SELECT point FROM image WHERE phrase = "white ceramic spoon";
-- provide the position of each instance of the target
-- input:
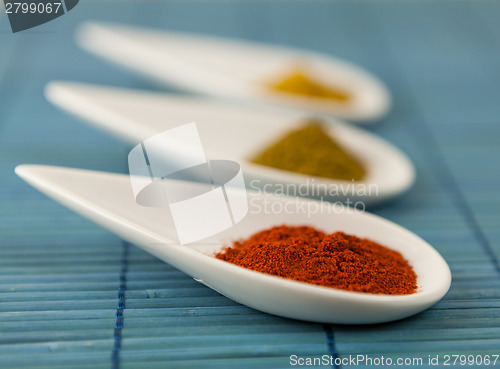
(234, 69)
(237, 133)
(107, 200)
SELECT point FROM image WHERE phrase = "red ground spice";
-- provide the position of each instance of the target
(336, 260)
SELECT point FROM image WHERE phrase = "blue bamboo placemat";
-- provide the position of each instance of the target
(74, 296)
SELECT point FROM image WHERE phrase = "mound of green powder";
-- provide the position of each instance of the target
(310, 150)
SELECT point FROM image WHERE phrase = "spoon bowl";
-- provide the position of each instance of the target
(235, 69)
(238, 132)
(107, 200)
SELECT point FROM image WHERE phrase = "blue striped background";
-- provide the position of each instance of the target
(65, 283)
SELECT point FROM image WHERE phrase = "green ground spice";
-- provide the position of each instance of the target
(310, 150)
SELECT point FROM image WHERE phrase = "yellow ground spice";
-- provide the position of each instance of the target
(310, 150)
(299, 83)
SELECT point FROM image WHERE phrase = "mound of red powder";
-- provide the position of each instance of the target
(336, 260)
